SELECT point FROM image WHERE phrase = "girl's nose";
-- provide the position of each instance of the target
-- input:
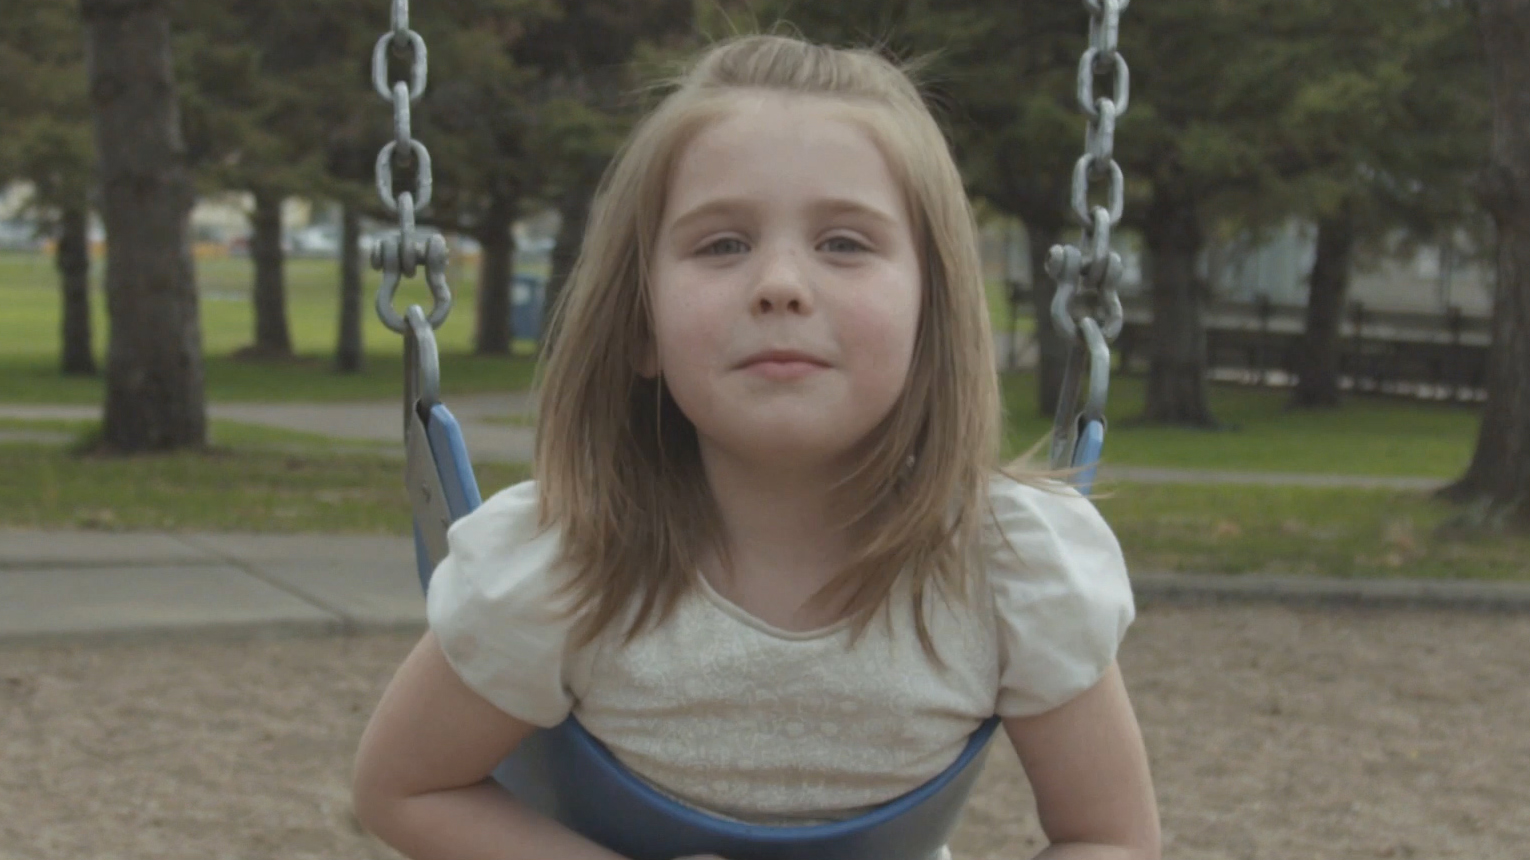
(782, 286)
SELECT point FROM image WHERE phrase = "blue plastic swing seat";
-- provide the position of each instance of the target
(1086, 453)
(567, 774)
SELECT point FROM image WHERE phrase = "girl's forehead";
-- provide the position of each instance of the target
(758, 116)
(784, 147)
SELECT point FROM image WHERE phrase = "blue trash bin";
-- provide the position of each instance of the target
(526, 292)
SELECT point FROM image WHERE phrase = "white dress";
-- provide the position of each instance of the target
(727, 713)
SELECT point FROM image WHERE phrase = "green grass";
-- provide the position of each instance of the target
(308, 379)
(221, 434)
(240, 489)
(998, 310)
(1336, 532)
(29, 288)
(516, 419)
(282, 481)
(269, 480)
(1370, 436)
(29, 337)
(1301, 531)
(47, 426)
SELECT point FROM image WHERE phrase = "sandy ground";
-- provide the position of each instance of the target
(1273, 732)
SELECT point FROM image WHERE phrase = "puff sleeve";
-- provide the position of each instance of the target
(1062, 598)
(492, 604)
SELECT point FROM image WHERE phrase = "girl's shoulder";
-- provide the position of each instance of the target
(501, 556)
(495, 606)
(1045, 513)
(506, 518)
(501, 544)
(1061, 594)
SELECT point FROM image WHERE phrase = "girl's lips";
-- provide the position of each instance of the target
(782, 356)
(783, 369)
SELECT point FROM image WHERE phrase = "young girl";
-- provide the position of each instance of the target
(769, 558)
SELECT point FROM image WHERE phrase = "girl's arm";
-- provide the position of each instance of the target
(1089, 770)
(421, 778)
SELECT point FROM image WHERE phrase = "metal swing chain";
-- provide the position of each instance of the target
(1086, 308)
(399, 254)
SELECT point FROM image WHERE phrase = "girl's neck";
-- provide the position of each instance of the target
(779, 522)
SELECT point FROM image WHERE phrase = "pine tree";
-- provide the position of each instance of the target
(47, 142)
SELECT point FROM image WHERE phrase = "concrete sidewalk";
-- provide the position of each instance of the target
(94, 585)
(73, 583)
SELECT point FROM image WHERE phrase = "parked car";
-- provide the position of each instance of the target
(321, 240)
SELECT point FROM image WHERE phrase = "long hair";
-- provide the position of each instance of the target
(618, 468)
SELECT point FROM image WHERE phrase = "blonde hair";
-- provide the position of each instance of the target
(617, 464)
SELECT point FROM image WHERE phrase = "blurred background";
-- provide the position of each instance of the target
(1310, 246)
(1320, 395)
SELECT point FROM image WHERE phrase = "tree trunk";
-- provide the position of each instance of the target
(492, 336)
(574, 215)
(1496, 486)
(154, 375)
(1176, 390)
(272, 339)
(348, 343)
(73, 261)
(1318, 375)
(1051, 348)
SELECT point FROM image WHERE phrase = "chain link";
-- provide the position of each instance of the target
(1087, 275)
(399, 254)
(1086, 308)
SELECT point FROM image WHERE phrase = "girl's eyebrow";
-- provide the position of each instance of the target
(823, 207)
(719, 206)
(846, 206)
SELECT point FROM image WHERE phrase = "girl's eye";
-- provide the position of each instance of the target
(725, 246)
(843, 243)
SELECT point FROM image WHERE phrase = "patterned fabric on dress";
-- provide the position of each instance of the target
(734, 716)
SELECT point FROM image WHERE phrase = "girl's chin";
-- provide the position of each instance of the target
(783, 451)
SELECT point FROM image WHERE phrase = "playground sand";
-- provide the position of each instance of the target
(1273, 733)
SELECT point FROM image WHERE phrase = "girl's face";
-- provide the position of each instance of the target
(786, 283)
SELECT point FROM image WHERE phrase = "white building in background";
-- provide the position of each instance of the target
(13, 200)
(215, 219)
(1427, 279)
(224, 217)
